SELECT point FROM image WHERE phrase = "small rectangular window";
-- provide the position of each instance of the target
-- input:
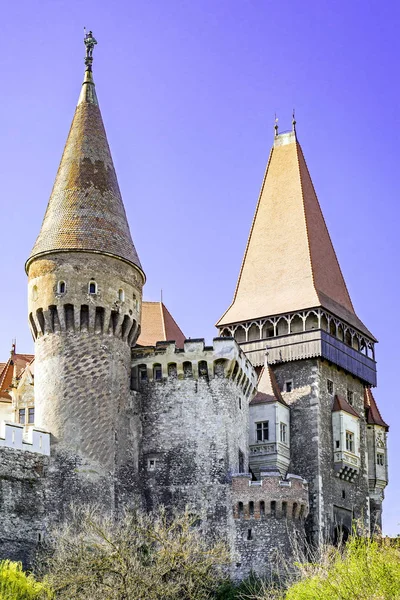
(337, 444)
(21, 416)
(350, 397)
(380, 459)
(288, 386)
(241, 462)
(262, 433)
(349, 441)
(31, 415)
(329, 386)
(283, 432)
(157, 373)
(151, 464)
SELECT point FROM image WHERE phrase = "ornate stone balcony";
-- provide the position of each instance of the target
(347, 465)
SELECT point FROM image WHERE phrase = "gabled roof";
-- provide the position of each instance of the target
(340, 403)
(267, 388)
(373, 414)
(85, 211)
(290, 263)
(158, 325)
(12, 368)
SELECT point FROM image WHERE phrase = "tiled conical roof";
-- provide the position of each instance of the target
(289, 263)
(85, 211)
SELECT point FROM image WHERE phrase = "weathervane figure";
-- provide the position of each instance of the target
(90, 43)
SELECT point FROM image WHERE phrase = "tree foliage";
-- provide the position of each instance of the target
(140, 557)
(17, 585)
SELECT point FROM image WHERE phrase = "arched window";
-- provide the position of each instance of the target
(240, 334)
(92, 287)
(203, 369)
(240, 509)
(187, 369)
(34, 292)
(273, 508)
(121, 295)
(61, 287)
(254, 332)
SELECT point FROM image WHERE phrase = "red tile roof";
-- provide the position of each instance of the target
(17, 362)
(342, 404)
(373, 415)
(267, 388)
(158, 325)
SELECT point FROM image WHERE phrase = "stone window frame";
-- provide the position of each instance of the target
(283, 430)
(121, 295)
(157, 372)
(350, 397)
(380, 459)
(31, 413)
(329, 386)
(92, 283)
(350, 441)
(61, 287)
(262, 427)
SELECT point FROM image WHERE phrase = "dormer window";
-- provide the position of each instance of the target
(92, 287)
(121, 295)
(61, 287)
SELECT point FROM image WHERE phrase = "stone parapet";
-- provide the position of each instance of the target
(271, 496)
(195, 361)
(35, 440)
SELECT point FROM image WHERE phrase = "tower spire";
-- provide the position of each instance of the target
(85, 211)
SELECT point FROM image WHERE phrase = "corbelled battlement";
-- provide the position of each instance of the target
(195, 360)
(12, 436)
(271, 496)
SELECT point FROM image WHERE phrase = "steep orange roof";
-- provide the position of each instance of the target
(289, 263)
(267, 388)
(340, 403)
(158, 325)
(373, 414)
(13, 367)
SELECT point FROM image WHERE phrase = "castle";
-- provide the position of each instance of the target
(271, 432)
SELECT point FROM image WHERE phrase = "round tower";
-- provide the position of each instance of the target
(84, 295)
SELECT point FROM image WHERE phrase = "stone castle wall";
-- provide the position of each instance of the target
(194, 417)
(22, 502)
(269, 517)
(331, 498)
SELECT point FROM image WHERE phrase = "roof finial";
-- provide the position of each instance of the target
(294, 121)
(276, 125)
(90, 43)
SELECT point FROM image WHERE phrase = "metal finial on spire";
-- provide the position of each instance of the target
(90, 43)
(276, 125)
(294, 121)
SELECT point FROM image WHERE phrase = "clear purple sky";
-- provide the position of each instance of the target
(188, 92)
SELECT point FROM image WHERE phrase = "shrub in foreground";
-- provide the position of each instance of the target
(139, 557)
(17, 585)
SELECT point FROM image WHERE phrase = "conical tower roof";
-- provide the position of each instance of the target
(289, 263)
(85, 211)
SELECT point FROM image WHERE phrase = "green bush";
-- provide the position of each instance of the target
(17, 585)
(365, 570)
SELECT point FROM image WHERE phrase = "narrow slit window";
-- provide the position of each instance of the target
(121, 295)
(329, 386)
(92, 287)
